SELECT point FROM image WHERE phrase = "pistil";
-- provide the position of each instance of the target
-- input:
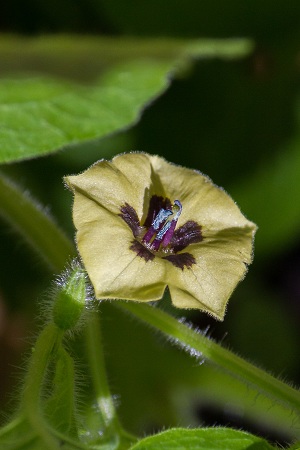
(162, 227)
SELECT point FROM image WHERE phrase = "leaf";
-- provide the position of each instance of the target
(202, 439)
(39, 114)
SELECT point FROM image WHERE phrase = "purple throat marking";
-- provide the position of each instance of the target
(158, 235)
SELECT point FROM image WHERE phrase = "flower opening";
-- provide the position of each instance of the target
(158, 237)
(163, 226)
(143, 224)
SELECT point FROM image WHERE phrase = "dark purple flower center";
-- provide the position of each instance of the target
(162, 228)
(158, 235)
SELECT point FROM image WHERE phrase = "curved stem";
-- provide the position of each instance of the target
(62, 437)
(200, 346)
(47, 343)
(19, 209)
(31, 221)
(12, 425)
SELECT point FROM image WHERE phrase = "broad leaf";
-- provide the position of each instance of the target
(116, 79)
(203, 439)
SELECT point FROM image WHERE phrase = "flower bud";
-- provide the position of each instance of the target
(69, 300)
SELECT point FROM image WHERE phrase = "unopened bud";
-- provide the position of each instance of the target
(69, 301)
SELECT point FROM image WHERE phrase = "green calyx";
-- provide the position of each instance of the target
(69, 300)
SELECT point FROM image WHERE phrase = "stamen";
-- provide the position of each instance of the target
(177, 208)
(161, 217)
(163, 226)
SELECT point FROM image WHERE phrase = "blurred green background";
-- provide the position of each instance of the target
(237, 122)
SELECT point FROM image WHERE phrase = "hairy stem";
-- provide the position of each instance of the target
(31, 221)
(200, 346)
(48, 240)
(45, 348)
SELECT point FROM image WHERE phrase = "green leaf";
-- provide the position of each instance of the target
(202, 439)
(39, 114)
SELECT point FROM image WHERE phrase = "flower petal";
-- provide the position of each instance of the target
(189, 233)
(221, 262)
(112, 184)
(203, 202)
(208, 252)
(104, 241)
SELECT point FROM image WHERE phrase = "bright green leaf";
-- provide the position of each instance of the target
(39, 115)
(202, 439)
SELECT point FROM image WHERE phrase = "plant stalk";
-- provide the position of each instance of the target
(34, 224)
(109, 419)
(203, 348)
(45, 348)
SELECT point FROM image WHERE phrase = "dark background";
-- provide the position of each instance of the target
(238, 122)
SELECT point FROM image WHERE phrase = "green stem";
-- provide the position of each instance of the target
(196, 344)
(109, 420)
(31, 221)
(47, 238)
(12, 425)
(46, 345)
(62, 437)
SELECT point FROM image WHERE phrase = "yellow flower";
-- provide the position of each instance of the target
(144, 224)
